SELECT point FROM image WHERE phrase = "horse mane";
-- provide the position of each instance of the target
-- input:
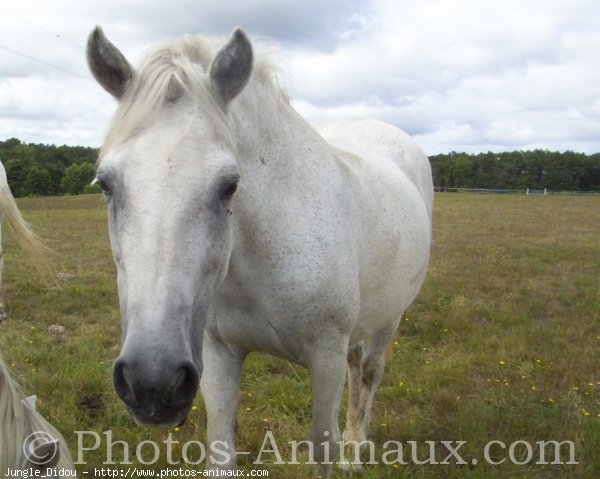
(18, 419)
(181, 63)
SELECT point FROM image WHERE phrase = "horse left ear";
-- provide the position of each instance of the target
(232, 66)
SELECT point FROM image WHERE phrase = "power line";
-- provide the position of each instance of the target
(48, 64)
(56, 35)
(45, 30)
(37, 60)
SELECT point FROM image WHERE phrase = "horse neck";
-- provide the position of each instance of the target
(268, 132)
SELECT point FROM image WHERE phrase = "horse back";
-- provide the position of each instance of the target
(378, 143)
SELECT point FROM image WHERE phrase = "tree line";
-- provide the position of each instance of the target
(517, 170)
(43, 170)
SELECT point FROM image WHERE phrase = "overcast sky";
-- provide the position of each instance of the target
(458, 75)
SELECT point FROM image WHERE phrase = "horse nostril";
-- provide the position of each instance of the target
(185, 385)
(123, 385)
(156, 393)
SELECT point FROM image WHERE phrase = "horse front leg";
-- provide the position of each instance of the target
(327, 376)
(220, 388)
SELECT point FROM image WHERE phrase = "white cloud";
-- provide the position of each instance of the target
(467, 75)
(457, 74)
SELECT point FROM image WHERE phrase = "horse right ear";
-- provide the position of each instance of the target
(108, 65)
(232, 67)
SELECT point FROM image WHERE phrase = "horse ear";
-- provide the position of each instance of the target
(232, 66)
(108, 65)
(30, 402)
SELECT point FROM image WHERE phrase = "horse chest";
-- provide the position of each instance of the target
(282, 318)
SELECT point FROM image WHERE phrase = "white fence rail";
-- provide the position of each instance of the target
(528, 191)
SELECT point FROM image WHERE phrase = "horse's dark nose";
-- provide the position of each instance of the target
(156, 394)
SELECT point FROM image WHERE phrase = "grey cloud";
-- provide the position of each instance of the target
(314, 23)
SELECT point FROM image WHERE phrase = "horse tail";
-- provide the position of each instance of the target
(31, 244)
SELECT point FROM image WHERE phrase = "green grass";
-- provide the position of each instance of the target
(503, 343)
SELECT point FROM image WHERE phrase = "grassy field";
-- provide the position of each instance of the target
(503, 344)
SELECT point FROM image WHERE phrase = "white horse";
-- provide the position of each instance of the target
(27, 239)
(27, 441)
(237, 227)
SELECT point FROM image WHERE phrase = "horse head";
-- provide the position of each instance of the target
(169, 174)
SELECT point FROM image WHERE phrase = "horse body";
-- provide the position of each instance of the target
(305, 247)
(327, 257)
(323, 246)
(393, 179)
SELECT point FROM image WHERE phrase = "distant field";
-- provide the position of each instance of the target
(503, 344)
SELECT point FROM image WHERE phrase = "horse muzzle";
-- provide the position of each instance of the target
(159, 396)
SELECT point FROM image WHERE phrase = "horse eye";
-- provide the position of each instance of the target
(229, 191)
